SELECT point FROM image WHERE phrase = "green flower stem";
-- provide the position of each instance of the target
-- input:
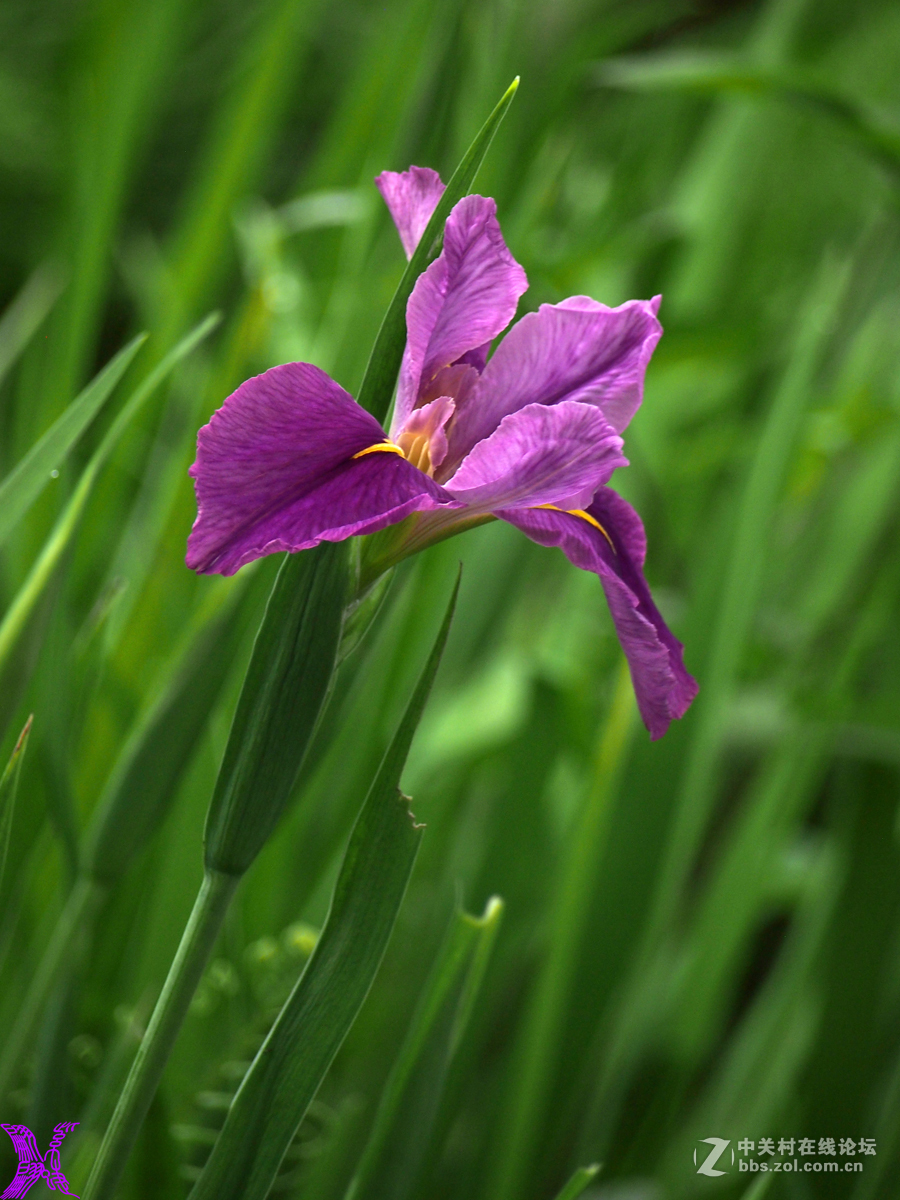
(75, 915)
(196, 946)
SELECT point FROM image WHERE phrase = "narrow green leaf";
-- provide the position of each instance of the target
(399, 1136)
(710, 72)
(578, 1182)
(23, 317)
(9, 785)
(286, 685)
(171, 1008)
(292, 1062)
(52, 551)
(545, 1018)
(23, 485)
(138, 794)
(384, 362)
(758, 1188)
(144, 781)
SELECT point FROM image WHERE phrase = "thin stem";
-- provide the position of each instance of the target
(63, 944)
(196, 946)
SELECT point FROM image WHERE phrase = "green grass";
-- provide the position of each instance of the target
(700, 937)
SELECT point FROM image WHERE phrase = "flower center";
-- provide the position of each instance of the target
(416, 447)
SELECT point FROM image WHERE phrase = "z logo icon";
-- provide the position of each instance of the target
(31, 1166)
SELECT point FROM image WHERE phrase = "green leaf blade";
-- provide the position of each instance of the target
(9, 786)
(52, 551)
(287, 683)
(23, 485)
(316, 1018)
(25, 314)
(144, 781)
(409, 1103)
(578, 1182)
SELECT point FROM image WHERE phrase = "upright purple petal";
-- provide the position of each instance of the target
(576, 350)
(411, 197)
(539, 455)
(464, 299)
(275, 471)
(663, 688)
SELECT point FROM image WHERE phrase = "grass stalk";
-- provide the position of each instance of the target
(171, 1008)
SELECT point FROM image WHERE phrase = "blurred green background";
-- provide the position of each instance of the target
(700, 937)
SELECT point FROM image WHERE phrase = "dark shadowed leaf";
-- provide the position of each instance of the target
(285, 688)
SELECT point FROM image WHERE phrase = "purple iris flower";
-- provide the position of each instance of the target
(531, 435)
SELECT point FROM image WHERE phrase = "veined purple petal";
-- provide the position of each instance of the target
(411, 197)
(275, 471)
(577, 350)
(663, 688)
(540, 455)
(464, 299)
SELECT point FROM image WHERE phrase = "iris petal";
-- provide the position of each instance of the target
(577, 350)
(663, 687)
(464, 299)
(540, 455)
(411, 197)
(275, 471)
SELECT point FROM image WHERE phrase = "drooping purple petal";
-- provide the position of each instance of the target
(411, 197)
(540, 455)
(464, 299)
(576, 350)
(275, 471)
(663, 687)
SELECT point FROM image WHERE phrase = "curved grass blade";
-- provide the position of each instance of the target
(578, 1182)
(409, 1102)
(24, 483)
(136, 798)
(9, 785)
(711, 73)
(384, 362)
(24, 316)
(61, 534)
(317, 1016)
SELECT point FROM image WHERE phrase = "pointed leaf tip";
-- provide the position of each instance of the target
(23, 737)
